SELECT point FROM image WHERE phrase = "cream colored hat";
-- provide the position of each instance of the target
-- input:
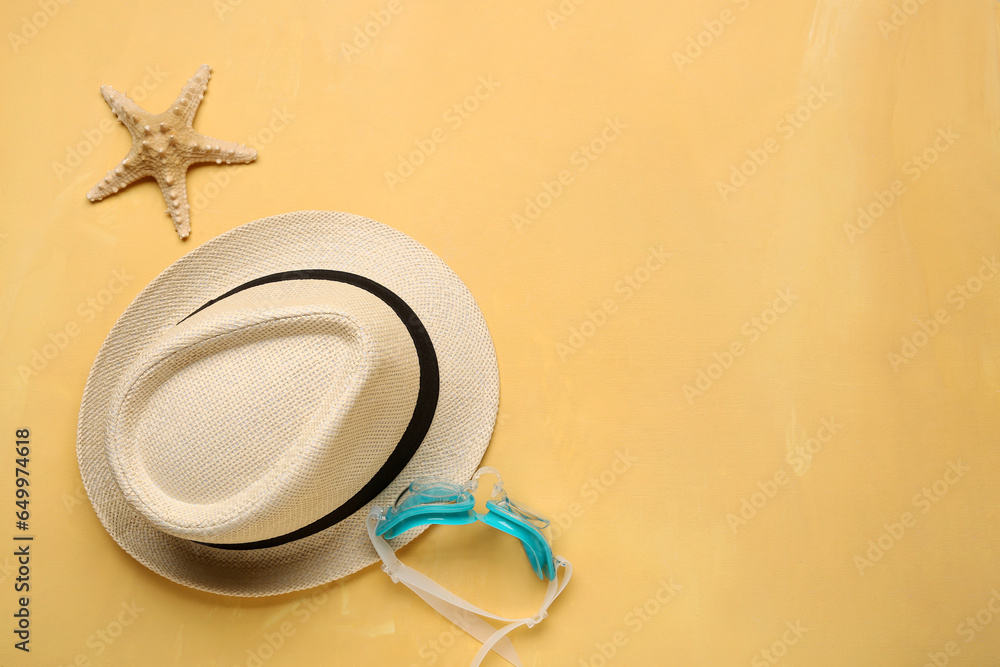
(266, 389)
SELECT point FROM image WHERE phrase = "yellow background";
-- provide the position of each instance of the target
(606, 308)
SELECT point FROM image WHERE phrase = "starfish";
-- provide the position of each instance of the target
(164, 146)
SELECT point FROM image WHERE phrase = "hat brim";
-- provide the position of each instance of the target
(452, 449)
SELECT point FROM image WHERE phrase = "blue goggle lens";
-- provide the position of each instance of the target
(436, 501)
(428, 492)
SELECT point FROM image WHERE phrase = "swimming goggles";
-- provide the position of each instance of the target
(434, 501)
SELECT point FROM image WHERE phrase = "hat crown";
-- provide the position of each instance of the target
(262, 412)
(449, 428)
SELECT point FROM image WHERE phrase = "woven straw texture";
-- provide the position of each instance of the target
(266, 410)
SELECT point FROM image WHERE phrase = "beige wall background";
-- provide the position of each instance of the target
(739, 260)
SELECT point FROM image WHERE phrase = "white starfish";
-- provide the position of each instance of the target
(164, 145)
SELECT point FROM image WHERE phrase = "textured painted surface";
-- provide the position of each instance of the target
(739, 260)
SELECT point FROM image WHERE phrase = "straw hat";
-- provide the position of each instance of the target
(263, 391)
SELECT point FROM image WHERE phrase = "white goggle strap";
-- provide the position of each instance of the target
(461, 612)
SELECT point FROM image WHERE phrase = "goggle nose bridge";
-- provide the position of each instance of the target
(498, 490)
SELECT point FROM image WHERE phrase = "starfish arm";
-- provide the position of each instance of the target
(218, 151)
(186, 105)
(164, 145)
(174, 187)
(128, 112)
(127, 172)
